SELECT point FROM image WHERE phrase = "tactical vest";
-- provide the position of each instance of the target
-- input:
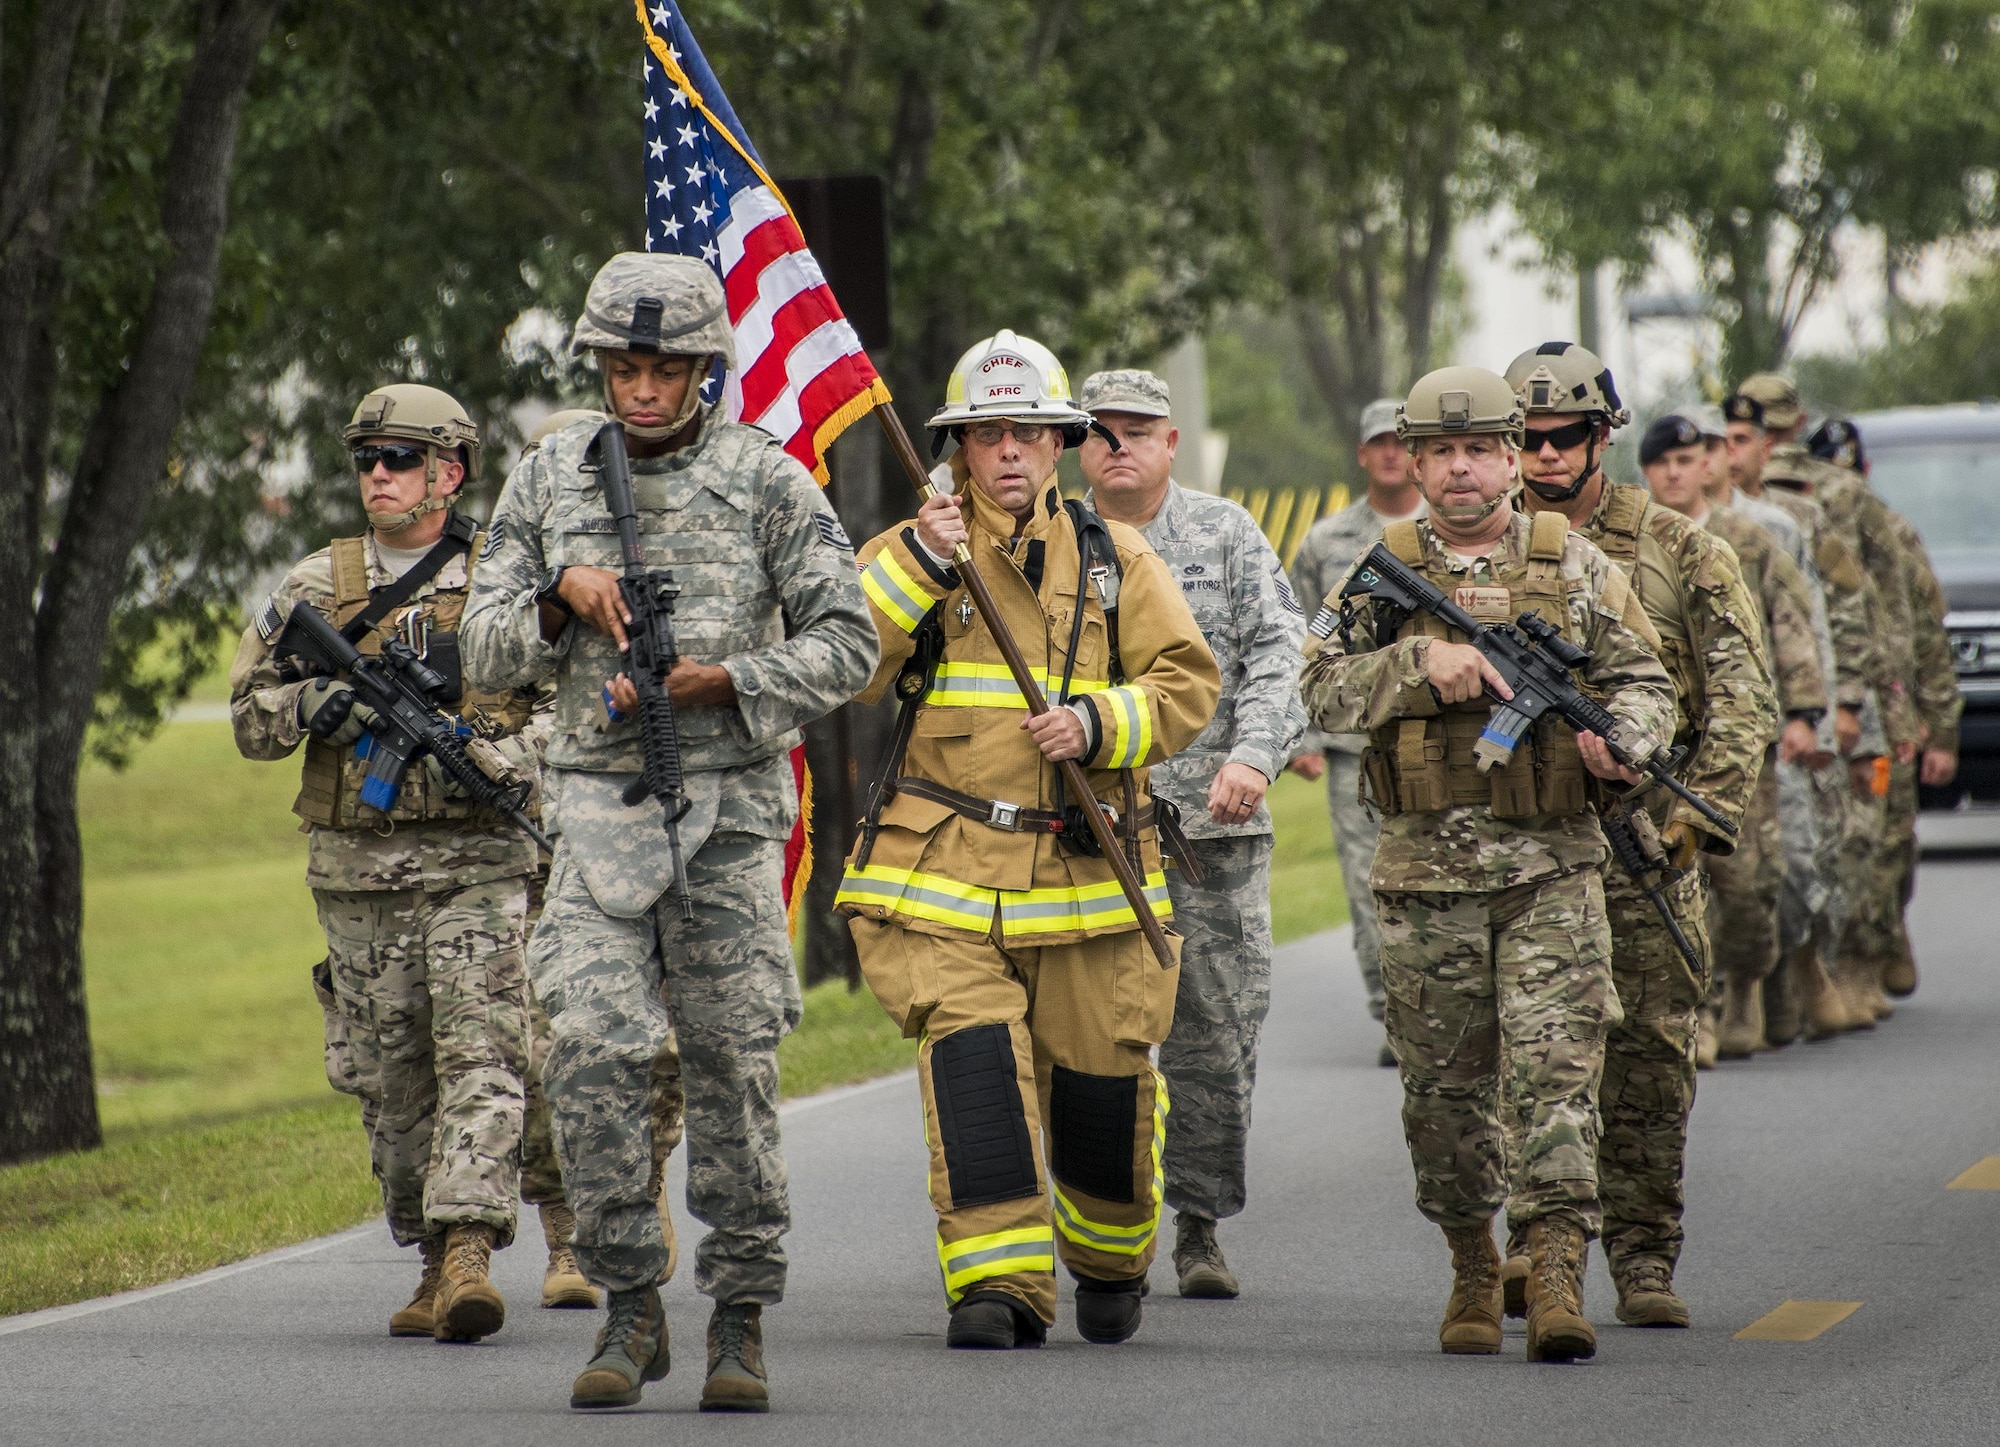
(330, 790)
(1421, 765)
(1656, 577)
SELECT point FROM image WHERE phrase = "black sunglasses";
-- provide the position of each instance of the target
(397, 456)
(1573, 434)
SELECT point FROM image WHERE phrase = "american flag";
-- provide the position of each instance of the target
(801, 373)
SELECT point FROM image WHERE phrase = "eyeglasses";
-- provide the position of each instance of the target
(1573, 434)
(398, 457)
(989, 434)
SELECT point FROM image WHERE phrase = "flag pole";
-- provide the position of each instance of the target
(1017, 664)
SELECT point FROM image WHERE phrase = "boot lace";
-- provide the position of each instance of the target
(621, 1324)
(731, 1327)
(1196, 1243)
(1648, 1277)
(468, 1257)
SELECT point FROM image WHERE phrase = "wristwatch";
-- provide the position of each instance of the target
(551, 581)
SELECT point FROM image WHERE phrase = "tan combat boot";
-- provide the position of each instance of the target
(1557, 1331)
(1741, 1032)
(563, 1285)
(468, 1305)
(1781, 1011)
(1861, 990)
(1705, 1054)
(736, 1378)
(1899, 977)
(1819, 1001)
(1472, 1316)
(1646, 1295)
(1198, 1260)
(416, 1319)
(631, 1351)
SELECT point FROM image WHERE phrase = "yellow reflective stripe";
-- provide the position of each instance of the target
(1121, 1240)
(1132, 727)
(1000, 1253)
(991, 685)
(895, 592)
(1078, 907)
(920, 896)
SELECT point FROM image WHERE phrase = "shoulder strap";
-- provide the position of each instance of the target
(459, 531)
(1626, 512)
(350, 572)
(1402, 540)
(913, 682)
(1548, 537)
(1096, 562)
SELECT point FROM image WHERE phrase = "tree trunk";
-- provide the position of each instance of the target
(47, 1088)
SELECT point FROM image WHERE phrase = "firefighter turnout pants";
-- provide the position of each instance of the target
(1043, 1112)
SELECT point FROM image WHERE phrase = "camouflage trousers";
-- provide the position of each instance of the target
(1499, 998)
(541, 1172)
(1647, 1095)
(611, 987)
(1875, 933)
(1355, 830)
(1811, 845)
(1210, 1055)
(1745, 888)
(432, 1000)
(1857, 813)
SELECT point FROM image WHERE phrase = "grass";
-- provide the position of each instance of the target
(221, 1137)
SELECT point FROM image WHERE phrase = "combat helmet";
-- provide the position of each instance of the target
(1562, 379)
(412, 412)
(1460, 401)
(1008, 376)
(662, 305)
(1770, 399)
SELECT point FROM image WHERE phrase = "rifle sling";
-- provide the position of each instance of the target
(459, 531)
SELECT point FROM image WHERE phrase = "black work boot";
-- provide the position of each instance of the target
(736, 1380)
(994, 1321)
(631, 1350)
(1198, 1259)
(1106, 1311)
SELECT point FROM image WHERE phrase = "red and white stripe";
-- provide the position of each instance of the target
(798, 360)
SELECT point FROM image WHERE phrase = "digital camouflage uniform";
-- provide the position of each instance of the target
(767, 590)
(1322, 562)
(1495, 945)
(423, 911)
(1744, 887)
(1711, 643)
(1236, 589)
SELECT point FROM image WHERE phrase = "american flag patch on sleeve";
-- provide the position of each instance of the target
(1323, 622)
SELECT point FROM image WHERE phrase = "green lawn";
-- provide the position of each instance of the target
(222, 1138)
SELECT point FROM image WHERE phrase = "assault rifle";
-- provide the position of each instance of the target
(1534, 659)
(651, 652)
(403, 694)
(1637, 848)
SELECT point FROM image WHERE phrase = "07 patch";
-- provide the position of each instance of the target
(830, 529)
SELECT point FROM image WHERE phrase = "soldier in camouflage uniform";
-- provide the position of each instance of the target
(773, 632)
(1496, 950)
(1876, 934)
(1237, 590)
(423, 906)
(1744, 887)
(1324, 558)
(1693, 593)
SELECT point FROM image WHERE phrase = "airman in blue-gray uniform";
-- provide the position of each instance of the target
(773, 632)
(1240, 597)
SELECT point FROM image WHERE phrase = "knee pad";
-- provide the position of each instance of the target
(982, 1126)
(1093, 1122)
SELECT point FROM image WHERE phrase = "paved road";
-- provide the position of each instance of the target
(1818, 1175)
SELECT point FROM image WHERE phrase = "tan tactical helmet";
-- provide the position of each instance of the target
(643, 301)
(1777, 399)
(1560, 378)
(1460, 401)
(556, 421)
(416, 413)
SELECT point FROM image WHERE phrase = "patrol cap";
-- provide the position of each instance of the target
(657, 302)
(1778, 395)
(1144, 394)
(1377, 418)
(1664, 434)
(1838, 441)
(1708, 417)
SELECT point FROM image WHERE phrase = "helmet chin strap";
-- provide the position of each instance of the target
(396, 522)
(1549, 493)
(690, 404)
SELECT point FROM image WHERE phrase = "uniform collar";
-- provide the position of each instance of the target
(1508, 551)
(685, 456)
(989, 517)
(451, 575)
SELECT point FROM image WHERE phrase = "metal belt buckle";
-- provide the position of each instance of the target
(1003, 815)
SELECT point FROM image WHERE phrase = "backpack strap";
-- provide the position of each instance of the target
(459, 533)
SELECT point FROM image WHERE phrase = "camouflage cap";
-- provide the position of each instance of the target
(1377, 419)
(1779, 397)
(1144, 394)
(652, 302)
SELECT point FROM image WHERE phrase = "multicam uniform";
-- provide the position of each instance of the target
(423, 910)
(1712, 647)
(768, 590)
(1324, 559)
(1017, 961)
(1495, 945)
(1236, 589)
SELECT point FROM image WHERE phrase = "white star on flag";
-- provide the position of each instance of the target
(673, 228)
(662, 17)
(708, 251)
(694, 175)
(701, 213)
(686, 133)
(657, 147)
(652, 108)
(663, 187)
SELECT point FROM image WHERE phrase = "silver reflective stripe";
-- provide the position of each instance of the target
(1042, 1246)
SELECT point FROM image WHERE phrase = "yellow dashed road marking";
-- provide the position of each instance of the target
(1984, 1176)
(1798, 1320)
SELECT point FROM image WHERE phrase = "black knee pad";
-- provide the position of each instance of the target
(982, 1126)
(1092, 1122)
